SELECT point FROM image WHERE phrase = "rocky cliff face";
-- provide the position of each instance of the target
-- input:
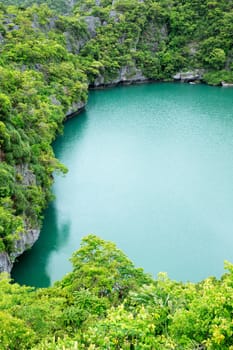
(190, 76)
(74, 109)
(28, 237)
(5, 263)
(25, 241)
(126, 75)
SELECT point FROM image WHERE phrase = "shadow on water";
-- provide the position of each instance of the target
(31, 267)
(73, 127)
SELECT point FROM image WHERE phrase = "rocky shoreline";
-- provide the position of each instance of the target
(26, 241)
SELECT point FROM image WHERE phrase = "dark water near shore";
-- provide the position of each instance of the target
(150, 168)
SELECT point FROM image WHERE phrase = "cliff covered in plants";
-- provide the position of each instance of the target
(50, 56)
(48, 60)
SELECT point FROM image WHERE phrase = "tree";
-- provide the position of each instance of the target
(105, 270)
(216, 59)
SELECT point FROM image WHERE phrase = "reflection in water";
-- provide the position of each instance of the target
(32, 265)
(74, 126)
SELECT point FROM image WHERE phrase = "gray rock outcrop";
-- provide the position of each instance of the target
(29, 236)
(224, 84)
(5, 263)
(92, 24)
(75, 108)
(24, 242)
(73, 44)
(28, 178)
(190, 76)
(126, 75)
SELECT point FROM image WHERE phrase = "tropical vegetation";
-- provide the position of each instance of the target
(50, 55)
(107, 303)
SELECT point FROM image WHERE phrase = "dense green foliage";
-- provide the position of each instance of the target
(48, 59)
(107, 303)
(39, 82)
(60, 6)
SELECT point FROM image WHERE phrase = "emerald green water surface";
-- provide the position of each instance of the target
(150, 168)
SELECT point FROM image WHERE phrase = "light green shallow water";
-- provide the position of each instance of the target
(150, 168)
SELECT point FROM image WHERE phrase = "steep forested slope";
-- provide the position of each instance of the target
(49, 59)
(40, 81)
(50, 54)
